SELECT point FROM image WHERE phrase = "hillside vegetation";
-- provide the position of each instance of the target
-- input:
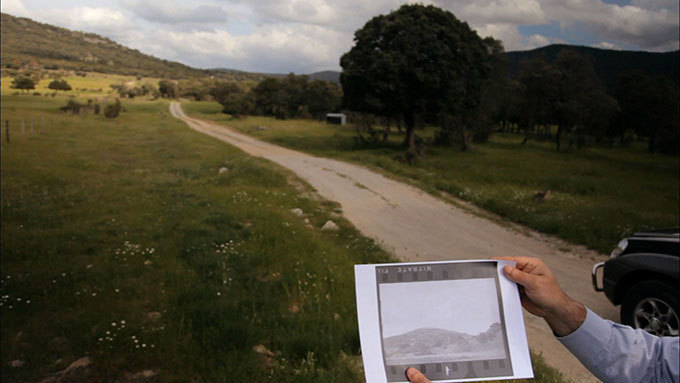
(27, 42)
(609, 64)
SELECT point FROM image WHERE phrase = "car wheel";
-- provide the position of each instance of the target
(652, 306)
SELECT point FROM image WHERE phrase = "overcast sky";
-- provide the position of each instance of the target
(305, 36)
(461, 305)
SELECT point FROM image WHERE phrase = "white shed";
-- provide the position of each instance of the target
(336, 118)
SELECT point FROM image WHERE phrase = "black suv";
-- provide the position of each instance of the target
(642, 275)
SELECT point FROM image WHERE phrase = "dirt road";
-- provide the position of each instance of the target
(420, 227)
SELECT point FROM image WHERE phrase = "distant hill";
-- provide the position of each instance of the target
(29, 43)
(328, 75)
(430, 342)
(609, 64)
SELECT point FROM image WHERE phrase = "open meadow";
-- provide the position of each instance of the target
(122, 243)
(90, 85)
(597, 195)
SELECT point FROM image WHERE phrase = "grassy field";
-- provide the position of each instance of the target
(121, 242)
(106, 222)
(92, 85)
(597, 195)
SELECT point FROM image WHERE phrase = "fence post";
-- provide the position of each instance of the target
(42, 126)
(7, 130)
(22, 127)
(32, 120)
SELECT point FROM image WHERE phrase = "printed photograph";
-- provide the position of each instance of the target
(441, 321)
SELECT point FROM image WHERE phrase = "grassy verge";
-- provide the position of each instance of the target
(122, 242)
(597, 196)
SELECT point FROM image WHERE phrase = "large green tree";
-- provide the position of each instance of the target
(23, 83)
(59, 85)
(649, 106)
(416, 62)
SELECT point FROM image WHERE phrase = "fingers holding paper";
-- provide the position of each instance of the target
(415, 376)
(542, 296)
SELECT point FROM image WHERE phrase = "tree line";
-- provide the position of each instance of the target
(566, 97)
(422, 66)
(293, 96)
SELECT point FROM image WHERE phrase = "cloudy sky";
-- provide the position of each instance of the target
(305, 36)
(462, 305)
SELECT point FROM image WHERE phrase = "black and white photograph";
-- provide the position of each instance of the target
(447, 319)
(448, 327)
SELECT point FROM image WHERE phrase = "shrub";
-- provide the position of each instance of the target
(113, 110)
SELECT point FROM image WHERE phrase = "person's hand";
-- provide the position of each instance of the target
(415, 376)
(542, 296)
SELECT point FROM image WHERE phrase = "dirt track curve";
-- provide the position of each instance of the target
(420, 227)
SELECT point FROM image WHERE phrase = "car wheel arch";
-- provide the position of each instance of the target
(635, 277)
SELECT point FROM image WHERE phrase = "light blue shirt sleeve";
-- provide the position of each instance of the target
(618, 353)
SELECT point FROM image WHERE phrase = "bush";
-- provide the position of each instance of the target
(113, 110)
(72, 107)
(59, 85)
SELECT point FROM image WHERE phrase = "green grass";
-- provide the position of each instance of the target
(597, 195)
(106, 221)
(92, 85)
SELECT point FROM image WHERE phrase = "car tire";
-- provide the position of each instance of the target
(653, 306)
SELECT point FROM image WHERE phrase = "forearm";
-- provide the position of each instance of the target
(617, 353)
(568, 317)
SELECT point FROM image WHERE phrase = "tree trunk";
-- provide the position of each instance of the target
(652, 143)
(527, 131)
(386, 132)
(464, 139)
(558, 136)
(410, 138)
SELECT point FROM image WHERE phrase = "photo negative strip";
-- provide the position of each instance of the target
(444, 319)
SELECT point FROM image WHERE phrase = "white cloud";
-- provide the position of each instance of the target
(507, 33)
(501, 11)
(14, 8)
(606, 45)
(630, 24)
(270, 48)
(671, 5)
(537, 41)
(168, 11)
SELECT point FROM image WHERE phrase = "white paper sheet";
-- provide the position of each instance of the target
(457, 320)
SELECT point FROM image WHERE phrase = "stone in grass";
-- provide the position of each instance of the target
(223, 170)
(78, 364)
(152, 317)
(330, 226)
(141, 375)
(297, 211)
(262, 350)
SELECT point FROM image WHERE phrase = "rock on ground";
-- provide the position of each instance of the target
(330, 226)
(153, 316)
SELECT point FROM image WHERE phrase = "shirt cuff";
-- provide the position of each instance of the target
(590, 338)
